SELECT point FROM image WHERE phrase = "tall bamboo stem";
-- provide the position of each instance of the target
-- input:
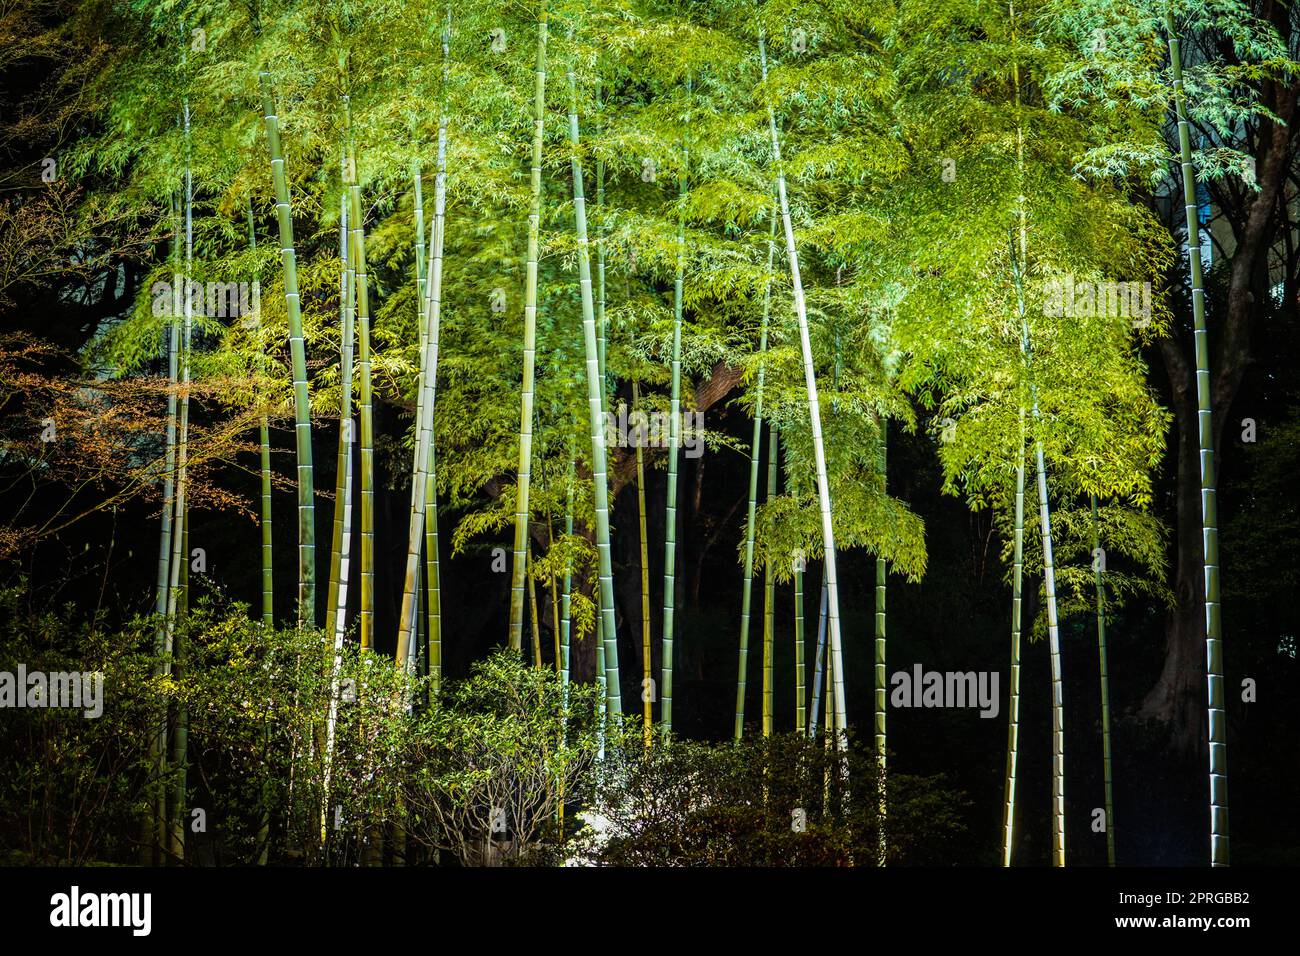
(814, 415)
(1214, 678)
(298, 356)
(755, 453)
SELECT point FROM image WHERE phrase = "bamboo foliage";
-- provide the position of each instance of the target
(298, 355)
(1214, 679)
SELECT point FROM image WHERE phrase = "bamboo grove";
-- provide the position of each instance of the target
(501, 252)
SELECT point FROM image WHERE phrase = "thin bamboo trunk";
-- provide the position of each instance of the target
(819, 659)
(264, 436)
(1013, 716)
(342, 462)
(674, 441)
(357, 253)
(647, 681)
(600, 250)
(298, 356)
(535, 624)
(430, 336)
(1214, 678)
(1098, 569)
(179, 601)
(155, 817)
(814, 415)
(800, 690)
(180, 735)
(755, 455)
(1019, 266)
(595, 407)
(524, 474)
(566, 606)
(882, 678)
(769, 596)
(339, 615)
(432, 567)
(1054, 644)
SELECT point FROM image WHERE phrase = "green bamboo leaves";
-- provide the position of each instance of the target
(298, 354)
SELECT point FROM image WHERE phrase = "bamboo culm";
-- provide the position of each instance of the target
(1217, 722)
(769, 592)
(755, 452)
(814, 414)
(298, 357)
(1013, 690)
(524, 474)
(596, 417)
(1099, 570)
(674, 442)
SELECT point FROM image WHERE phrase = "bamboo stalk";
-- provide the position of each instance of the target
(1214, 677)
(365, 405)
(522, 515)
(800, 691)
(819, 659)
(769, 594)
(595, 408)
(264, 437)
(532, 609)
(755, 446)
(882, 678)
(430, 325)
(1098, 568)
(343, 459)
(566, 599)
(1019, 265)
(814, 414)
(155, 818)
(432, 567)
(298, 356)
(647, 682)
(674, 441)
(1013, 716)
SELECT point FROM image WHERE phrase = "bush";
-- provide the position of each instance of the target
(784, 800)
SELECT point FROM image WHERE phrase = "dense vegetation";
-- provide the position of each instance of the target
(352, 340)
